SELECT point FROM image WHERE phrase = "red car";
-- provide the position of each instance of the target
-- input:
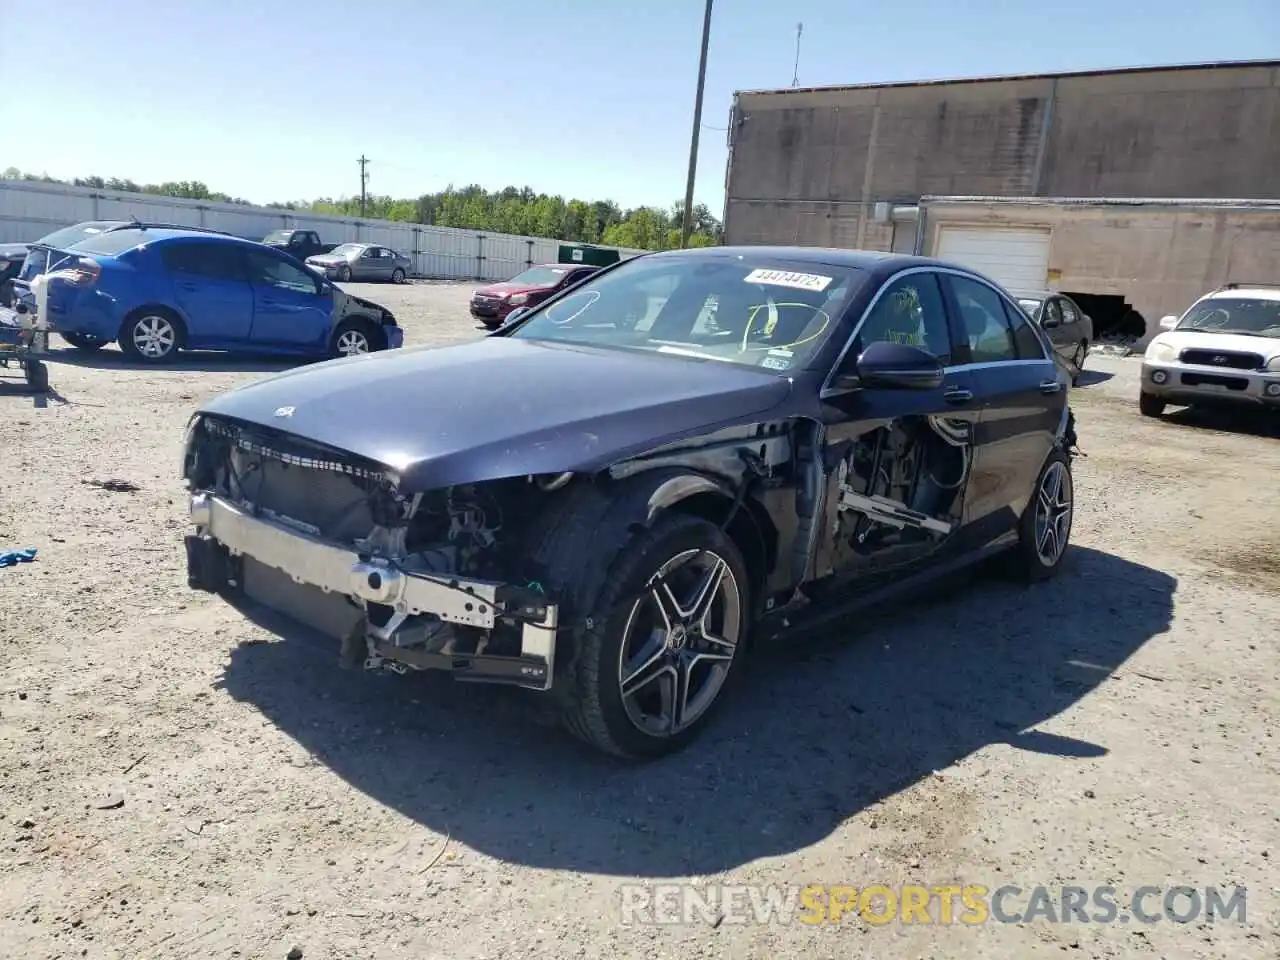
(490, 305)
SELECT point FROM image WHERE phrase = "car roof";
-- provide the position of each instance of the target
(1245, 293)
(153, 234)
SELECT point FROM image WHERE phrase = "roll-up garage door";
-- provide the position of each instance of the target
(1015, 259)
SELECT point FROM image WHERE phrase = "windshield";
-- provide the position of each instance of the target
(539, 277)
(1249, 316)
(61, 239)
(342, 249)
(278, 236)
(741, 309)
(1031, 306)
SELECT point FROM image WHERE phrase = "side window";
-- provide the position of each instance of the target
(1025, 337)
(983, 317)
(269, 271)
(909, 311)
(1069, 313)
(213, 261)
(1052, 312)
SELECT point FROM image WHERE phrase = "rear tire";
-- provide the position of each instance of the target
(1044, 530)
(1150, 405)
(397, 275)
(83, 342)
(152, 335)
(682, 656)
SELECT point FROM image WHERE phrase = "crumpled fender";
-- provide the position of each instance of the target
(346, 305)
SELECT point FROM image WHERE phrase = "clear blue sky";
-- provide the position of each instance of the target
(275, 101)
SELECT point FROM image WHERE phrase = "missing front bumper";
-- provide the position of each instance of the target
(226, 534)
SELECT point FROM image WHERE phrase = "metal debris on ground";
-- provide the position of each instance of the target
(114, 486)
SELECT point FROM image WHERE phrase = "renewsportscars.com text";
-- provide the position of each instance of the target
(969, 904)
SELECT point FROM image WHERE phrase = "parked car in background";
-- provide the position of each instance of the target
(1224, 350)
(362, 261)
(490, 305)
(12, 256)
(1069, 328)
(158, 291)
(605, 500)
(299, 244)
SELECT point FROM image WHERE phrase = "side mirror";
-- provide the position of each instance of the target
(1168, 323)
(897, 366)
(1049, 322)
(515, 315)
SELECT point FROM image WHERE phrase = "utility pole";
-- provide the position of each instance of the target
(364, 179)
(795, 76)
(697, 126)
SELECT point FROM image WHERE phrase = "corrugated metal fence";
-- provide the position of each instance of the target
(30, 210)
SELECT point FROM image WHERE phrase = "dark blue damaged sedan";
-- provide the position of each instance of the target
(607, 499)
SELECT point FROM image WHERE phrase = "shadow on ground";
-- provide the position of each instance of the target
(110, 358)
(1089, 378)
(1226, 419)
(815, 733)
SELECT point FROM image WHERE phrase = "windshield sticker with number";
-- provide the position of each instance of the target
(784, 278)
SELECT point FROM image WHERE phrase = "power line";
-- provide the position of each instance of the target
(795, 76)
(364, 179)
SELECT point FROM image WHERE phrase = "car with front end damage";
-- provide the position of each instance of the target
(1223, 352)
(492, 304)
(612, 497)
(157, 291)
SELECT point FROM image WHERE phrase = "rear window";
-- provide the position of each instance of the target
(110, 244)
(75, 234)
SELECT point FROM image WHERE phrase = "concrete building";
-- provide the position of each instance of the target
(1019, 161)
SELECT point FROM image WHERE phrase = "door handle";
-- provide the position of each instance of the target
(958, 395)
(1050, 386)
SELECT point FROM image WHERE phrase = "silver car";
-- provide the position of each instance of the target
(362, 261)
(1069, 327)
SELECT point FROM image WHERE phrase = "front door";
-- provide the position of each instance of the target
(898, 460)
(211, 289)
(290, 312)
(1022, 393)
(1051, 320)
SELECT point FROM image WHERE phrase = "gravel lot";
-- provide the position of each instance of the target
(181, 782)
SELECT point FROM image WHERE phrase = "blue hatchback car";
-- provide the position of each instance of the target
(156, 291)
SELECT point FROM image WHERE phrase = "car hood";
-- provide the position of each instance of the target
(506, 290)
(499, 407)
(1181, 340)
(326, 258)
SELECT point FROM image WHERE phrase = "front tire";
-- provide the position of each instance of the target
(650, 673)
(1044, 530)
(355, 337)
(1150, 405)
(152, 336)
(344, 274)
(1077, 363)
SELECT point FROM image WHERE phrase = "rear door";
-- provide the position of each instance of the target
(211, 289)
(1022, 393)
(289, 310)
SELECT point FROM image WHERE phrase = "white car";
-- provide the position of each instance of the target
(1225, 349)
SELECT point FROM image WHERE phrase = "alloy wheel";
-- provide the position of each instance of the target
(1054, 505)
(154, 337)
(352, 342)
(678, 643)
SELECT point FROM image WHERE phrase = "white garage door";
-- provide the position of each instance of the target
(1015, 259)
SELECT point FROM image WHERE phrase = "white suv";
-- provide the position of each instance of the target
(1226, 348)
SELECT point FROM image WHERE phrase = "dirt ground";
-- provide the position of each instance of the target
(181, 782)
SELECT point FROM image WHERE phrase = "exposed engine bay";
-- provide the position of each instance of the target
(455, 532)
